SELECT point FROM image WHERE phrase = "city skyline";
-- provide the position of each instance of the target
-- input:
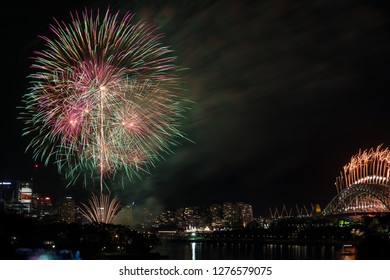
(283, 96)
(19, 199)
(10, 193)
(22, 191)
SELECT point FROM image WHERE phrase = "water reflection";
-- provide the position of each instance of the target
(348, 252)
(193, 250)
(247, 251)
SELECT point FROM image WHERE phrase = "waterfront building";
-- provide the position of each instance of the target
(245, 213)
(230, 214)
(216, 215)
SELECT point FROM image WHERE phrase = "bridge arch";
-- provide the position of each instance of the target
(360, 198)
(363, 185)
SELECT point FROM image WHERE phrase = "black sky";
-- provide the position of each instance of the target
(284, 92)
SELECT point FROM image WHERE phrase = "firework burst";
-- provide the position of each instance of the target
(100, 209)
(364, 184)
(367, 167)
(105, 96)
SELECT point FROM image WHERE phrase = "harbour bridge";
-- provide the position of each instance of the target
(363, 186)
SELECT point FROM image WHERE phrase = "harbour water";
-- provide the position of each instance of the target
(248, 251)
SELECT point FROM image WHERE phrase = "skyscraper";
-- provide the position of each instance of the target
(216, 215)
(67, 210)
(245, 213)
(5, 193)
(42, 207)
(20, 198)
(230, 214)
(237, 214)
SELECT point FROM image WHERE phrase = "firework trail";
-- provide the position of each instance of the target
(363, 184)
(367, 167)
(105, 96)
(100, 209)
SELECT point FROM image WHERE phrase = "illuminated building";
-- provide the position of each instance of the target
(237, 214)
(216, 215)
(230, 214)
(165, 218)
(191, 217)
(195, 218)
(24, 191)
(66, 210)
(21, 198)
(180, 218)
(5, 193)
(245, 213)
(42, 207)
(24, 195)
(147, 217)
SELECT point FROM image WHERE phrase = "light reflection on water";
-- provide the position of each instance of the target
(248, 251)
(193, 250)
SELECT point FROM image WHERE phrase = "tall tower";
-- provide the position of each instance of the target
(5, 193)
(245, 213)
(24, 191)
(216, 216)
(230, 214)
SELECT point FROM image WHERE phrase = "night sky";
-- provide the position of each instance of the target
(284, 93)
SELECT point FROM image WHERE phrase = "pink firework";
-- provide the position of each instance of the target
(105, 97)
